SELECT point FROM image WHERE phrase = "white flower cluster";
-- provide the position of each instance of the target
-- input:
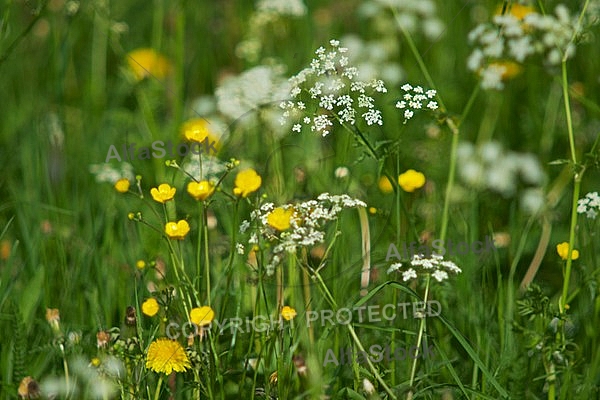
(589, 205)
(294, 8)
(240, 97)
(332, 83)
(106, 172)
(513, 38)
(306, 224)
(415, 16)
(490, 166)
(414, 99)
(436, 266)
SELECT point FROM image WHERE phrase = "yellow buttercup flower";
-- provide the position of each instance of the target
(150, 307)
(122, 185)
(246, 182)
(200, 190)
(165, 355)
(164, 193)
(385, 185)
(280, 218)
(177, 230)
(563, 251)
(288, 313)
(140, 264)
(411, 180)
(198, 130)
(147, 62)
(202, 316)
(518, 11)
(509, 69)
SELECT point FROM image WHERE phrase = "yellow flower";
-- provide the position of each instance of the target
(372, 210)
(411, 180)
(147, 62)
(385, 185)
(200, 190)
(122, 185)
(563, 251)
(53, 318)
(164, 193)
(177, 230)
(510, 69)
(288, 313)
(198, 130)
(280, 218)
(517, 10)
(166, 356)
(140, 264)
(150, 307)
(246, 182)
(202, 316)
(95, 362)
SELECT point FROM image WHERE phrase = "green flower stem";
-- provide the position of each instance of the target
(451, 176)
(422, 327)
(206, 255)
(158, 386)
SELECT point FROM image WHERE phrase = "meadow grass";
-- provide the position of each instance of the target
(91, 283)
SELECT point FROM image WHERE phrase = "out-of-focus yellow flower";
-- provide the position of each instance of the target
(411, 180)
(372, 210)
(198, 130)
(200, 190)
(95, 362)
(122, 185)
(140, 264)
(246, 182)
(509, 69)
(164, 193)
(177, 230)
(280, 218)
(288, 313)
(165, 355)
(202, 316)
(53, 318)
(385, 185)
(518, 11)
(147, 62)
(563, 251)
(150, 307)
(29, 388)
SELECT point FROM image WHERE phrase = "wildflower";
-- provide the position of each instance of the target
(331, 83)
(435, 266)
(200, 190)
(29, 388)
(140, 264)
(53, 318)
(372, 210)
(177, 230)
(509, 69)
(288, 313)
(164, 193)
(122, 185)
(589, 205)
(147, 62)
(385, 185)
(306, 225)
(199, 130)
(411, 180)
(95, 362)
(165, 355)
(518, 11)
(202, 316)
(280, 218)
(416, 98)
(246, 182)
(563, 251)
(102, 339)
(341, 172)
(150, 307)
